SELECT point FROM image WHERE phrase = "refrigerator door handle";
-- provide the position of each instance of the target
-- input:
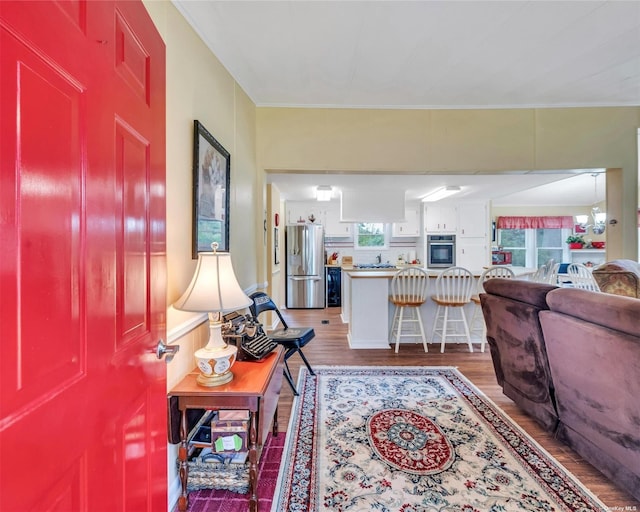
(304, 278)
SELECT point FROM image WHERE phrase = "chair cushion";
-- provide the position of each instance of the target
(293, 336)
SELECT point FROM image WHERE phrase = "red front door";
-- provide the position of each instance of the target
(82, 258)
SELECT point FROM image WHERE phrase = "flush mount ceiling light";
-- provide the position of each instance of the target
(323, 193)
(441, 193)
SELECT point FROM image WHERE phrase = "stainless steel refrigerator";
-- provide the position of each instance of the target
(305, 266)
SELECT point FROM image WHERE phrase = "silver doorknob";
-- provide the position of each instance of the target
(169, 350)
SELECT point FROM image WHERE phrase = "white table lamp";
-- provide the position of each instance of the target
(214, 289)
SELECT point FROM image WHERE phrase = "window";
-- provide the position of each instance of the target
(534, 247)
(370, 236)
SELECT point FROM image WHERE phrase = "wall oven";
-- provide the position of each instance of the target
(441, 251)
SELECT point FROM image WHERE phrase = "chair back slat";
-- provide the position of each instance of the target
(454, 284)
(498, 272)
(410, 285)
(581, 277)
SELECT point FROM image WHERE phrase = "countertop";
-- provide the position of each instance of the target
(356, 273)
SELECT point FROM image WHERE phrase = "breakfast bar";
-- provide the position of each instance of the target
(368, 311)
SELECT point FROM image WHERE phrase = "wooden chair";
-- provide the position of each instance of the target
(545, 274)
(408, 293)
(291, 338)
(453, 291)
(497, 272)
(581, 277)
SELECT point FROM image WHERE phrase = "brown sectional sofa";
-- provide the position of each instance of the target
(584, 349)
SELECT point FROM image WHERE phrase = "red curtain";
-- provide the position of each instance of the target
(558, 222)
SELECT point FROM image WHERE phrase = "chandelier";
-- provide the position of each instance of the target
(598, 217)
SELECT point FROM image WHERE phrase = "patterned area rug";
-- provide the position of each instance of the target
(413, 439)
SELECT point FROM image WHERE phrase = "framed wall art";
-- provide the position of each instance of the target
(211, 178)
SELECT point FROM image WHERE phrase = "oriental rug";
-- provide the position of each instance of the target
(413, 439)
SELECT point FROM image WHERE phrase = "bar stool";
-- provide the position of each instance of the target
(408, 293)
(453, 291)
(497, 272)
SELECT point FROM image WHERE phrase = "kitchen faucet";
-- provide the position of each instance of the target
(379, 258)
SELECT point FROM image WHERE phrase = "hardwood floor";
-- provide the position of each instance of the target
(330, 347)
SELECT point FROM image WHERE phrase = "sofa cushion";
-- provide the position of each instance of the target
(529, 292)
(615, 312)
(619, 277)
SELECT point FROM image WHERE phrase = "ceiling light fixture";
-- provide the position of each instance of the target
(323, 193)
(441, 193)
(599, 218)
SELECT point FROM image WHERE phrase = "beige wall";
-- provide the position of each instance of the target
(276, 271)
(199, 87)
(361, 140)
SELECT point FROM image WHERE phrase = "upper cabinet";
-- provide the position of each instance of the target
(473, 220)
(332, 225)
(304, 211)
(440, 219)
(325, 213)
(409, 228)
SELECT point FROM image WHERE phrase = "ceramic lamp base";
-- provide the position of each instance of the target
(215, 365)
(210, 381)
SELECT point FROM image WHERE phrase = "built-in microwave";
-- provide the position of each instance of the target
(501, 257)
(441, 251)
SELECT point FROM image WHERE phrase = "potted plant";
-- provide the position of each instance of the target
(575, 241)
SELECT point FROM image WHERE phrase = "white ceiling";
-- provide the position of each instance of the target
(426, 54)
(524, 189)
(430, 54)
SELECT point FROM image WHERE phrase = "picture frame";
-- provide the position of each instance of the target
(211, 180)
(579, 230)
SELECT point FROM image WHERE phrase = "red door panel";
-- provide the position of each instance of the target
(82, 270)
(39, 207)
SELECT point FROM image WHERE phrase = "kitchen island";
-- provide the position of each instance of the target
(368, 311)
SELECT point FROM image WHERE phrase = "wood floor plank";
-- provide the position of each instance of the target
(330, 347)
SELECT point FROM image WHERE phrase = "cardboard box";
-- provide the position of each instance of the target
(229, 436)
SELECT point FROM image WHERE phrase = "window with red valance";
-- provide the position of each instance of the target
(541, 222)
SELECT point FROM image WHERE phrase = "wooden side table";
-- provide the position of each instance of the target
(255, 387)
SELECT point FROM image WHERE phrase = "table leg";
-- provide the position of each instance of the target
(274, 430)
(253, 462)
(183, 453)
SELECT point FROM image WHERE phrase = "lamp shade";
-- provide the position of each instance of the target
(214, 286)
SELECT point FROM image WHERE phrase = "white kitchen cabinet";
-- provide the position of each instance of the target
(440, 219)
(472, 253)
(473, 221)
(331, 220)
(302, 210)
(297, 210)
(409, 228)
